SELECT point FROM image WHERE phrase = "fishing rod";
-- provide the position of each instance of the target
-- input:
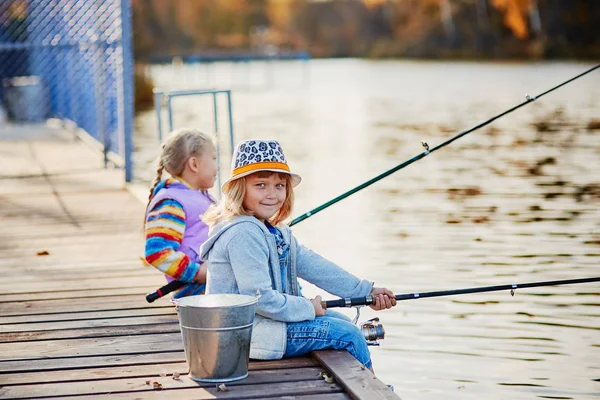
(174, 285)
(168, 288)
(368, 300)
(428, 151)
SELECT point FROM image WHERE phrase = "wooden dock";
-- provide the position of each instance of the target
(73, 318)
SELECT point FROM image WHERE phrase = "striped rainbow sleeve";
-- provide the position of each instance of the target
(165, 226)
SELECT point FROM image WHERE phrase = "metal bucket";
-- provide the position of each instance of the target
(216, 331)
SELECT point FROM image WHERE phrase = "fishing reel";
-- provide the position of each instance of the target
(372, 330)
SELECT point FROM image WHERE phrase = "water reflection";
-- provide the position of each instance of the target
(517, 201)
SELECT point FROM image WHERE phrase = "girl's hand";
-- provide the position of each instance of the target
(319, 310)
(384, 298)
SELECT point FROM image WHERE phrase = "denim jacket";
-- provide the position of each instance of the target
(242, 258)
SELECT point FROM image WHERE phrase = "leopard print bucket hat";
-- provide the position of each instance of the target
(255, 155)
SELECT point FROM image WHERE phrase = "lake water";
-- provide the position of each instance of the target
(517, 201)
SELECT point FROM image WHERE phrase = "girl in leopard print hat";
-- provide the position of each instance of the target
(250, 250)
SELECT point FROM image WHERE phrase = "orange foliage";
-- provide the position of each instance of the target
(374, 3)
(279, 12)
(516, 13)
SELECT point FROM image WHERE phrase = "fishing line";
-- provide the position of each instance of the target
(428, 151)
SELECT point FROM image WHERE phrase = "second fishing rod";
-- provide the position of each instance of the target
(174, 285)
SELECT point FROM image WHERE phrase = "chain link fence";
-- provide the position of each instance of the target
(70, 59)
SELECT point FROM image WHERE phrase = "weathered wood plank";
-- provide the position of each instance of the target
(91, 347)
(101, 361)
(189, 394)
(99, 283)
(63, 266)
(80, 333)
(82, 316)
(155, 369)
(142, 289)
(52, 277)
(359, 382)
(127, 302)
(89, 323)
(294, 362)
(300, 389)
(139, 383)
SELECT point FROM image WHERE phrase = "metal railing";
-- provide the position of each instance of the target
(72, 60)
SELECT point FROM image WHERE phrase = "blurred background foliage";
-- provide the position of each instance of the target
(529, 29)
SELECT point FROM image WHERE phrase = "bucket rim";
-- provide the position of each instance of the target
(249, 300)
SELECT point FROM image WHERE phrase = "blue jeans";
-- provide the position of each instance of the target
(332, 331)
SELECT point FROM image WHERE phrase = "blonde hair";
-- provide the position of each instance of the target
(177, 148)
(232, 201)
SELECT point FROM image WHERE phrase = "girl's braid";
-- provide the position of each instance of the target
(159, 171)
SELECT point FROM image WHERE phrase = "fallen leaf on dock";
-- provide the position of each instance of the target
(328, 378)
(42, 253)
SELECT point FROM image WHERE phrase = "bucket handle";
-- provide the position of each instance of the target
(176, 304)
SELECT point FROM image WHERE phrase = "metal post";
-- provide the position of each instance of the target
(229, 107)
(126, 44)
(158, 109)
(170, 111)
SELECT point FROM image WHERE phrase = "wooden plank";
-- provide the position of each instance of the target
(63, 265)
(90, 323)
(90, 347)
(84, 281)
(48, 226)
(156, 369)
(126, 302)
(72, 362)
(142, 288)
(359, 382)
(294, 362)
(288, 390)
(82, 316)
(53, 277)
(139, 383)
(54, 271)
(20, 258)
(189, 394)
(74, 240)
(99, 283)
(80, 333)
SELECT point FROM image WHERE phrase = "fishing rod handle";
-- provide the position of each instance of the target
(163, 291)
(348, 302)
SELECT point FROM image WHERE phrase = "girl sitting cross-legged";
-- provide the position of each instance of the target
(250, 250)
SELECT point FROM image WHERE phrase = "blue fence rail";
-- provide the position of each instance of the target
(72, 60)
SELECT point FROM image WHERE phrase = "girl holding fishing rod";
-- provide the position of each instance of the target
(251, 251)
(173, 228)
